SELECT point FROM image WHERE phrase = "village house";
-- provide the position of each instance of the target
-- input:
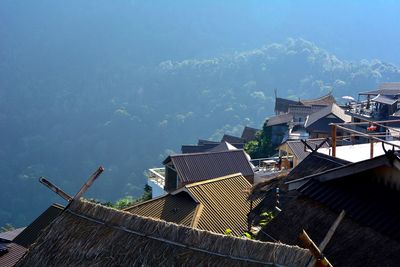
(87, 234)
(184, 169)
(348, 210)
(214, 205)
(296, 151)
(318, 124)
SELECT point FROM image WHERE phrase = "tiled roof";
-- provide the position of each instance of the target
(388, 89)
(10, 235)
(332, 109)
(282, 104)
(249, 133)
(214, 205)
(279, 119)
(202, 166)
(13, 254)
(325, 100)
(32, 231)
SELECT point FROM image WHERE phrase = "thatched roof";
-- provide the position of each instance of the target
(88, 234)
(33, 230)
(351, 244)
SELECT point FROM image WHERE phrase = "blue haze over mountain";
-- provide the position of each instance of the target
(124, 83)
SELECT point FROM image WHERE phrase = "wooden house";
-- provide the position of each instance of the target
(317, 124)
(213, 205)
(184, 169)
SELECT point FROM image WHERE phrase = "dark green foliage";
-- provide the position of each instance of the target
(265, 218)
(127, 201)
(261, 147)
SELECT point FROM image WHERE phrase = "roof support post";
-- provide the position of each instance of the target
(333, 140)
(371, 151)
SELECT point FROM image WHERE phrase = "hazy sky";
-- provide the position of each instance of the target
(150, 31)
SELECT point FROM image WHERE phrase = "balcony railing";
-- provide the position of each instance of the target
(157, 176)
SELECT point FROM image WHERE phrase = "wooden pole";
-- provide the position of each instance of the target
(331, 231)
(333, 140)
(55, 189)
(89, 182)
(320, 259)
(371, 150)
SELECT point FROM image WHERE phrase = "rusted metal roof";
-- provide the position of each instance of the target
(13, 253)
(214, 205)
(203, 166)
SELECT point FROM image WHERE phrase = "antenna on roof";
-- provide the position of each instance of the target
(276, 93)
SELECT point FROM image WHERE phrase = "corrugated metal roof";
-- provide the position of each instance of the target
(279, 119)
(10, 235)
(214, 205)
(32, 231)
(366, 200)
(12, 256)
(225, 203)
(315, 163)
(202, 166)
(301, 151)
(179, 208)
(332, 109)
